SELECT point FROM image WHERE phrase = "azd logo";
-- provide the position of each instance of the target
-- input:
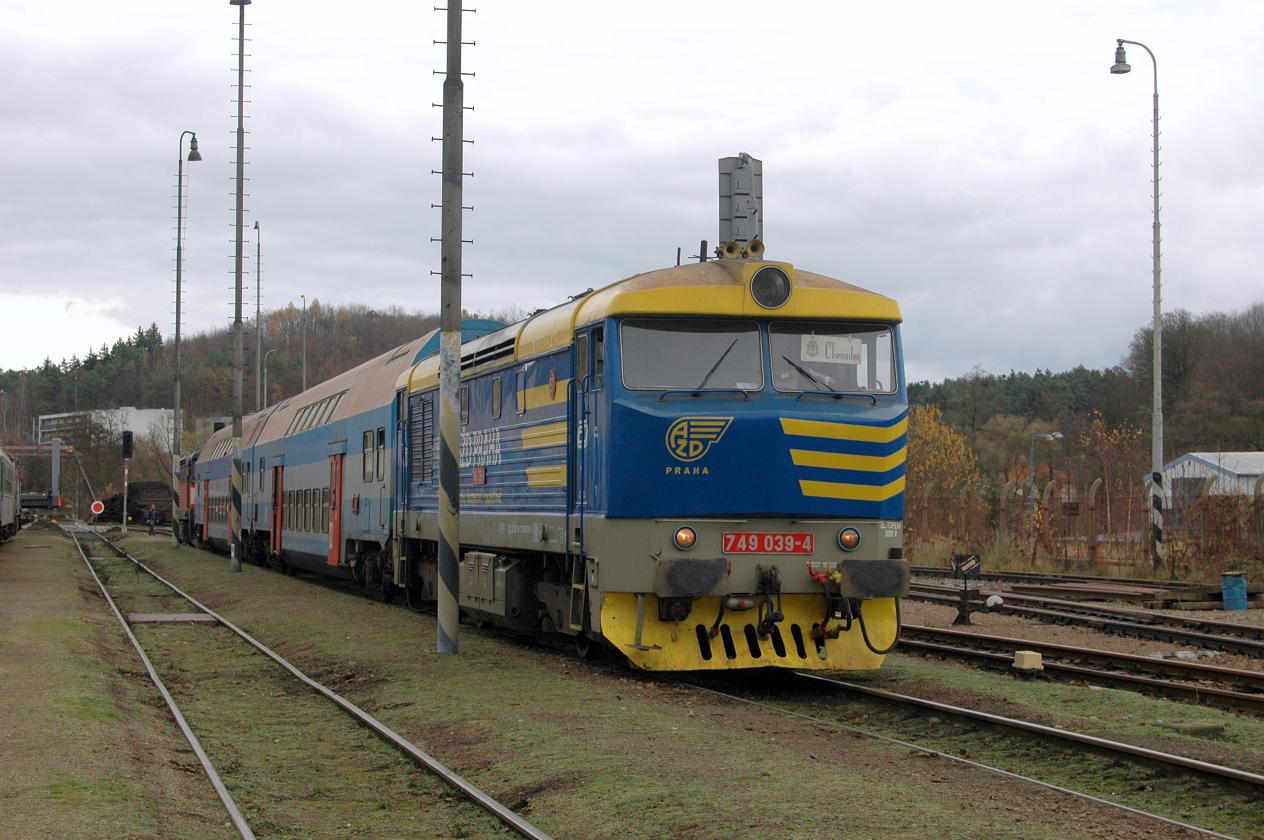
(690, 438)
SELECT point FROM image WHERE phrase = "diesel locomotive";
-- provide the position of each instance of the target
(700, 467)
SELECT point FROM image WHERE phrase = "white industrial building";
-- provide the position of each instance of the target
(69, 426)
(1234, 474)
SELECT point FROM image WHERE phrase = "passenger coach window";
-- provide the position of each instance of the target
(324, 510)
(366, 456)
(832, 357)
(691, 354)
(381, 453)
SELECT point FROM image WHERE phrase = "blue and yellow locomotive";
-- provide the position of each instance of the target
(700, 467)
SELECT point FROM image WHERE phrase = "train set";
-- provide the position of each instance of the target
(701, 467)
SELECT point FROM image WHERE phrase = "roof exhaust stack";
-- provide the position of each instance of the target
(741, 208)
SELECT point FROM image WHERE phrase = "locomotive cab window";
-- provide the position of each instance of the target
(496, 398)
(691, 354)
(832, 357)
(581, 361)
(598, 355)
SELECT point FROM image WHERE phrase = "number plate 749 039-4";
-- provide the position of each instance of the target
(757, 542)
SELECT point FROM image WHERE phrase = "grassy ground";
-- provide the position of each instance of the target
(590, 752)
(296, 765)
(86, 751)
(1108, 713)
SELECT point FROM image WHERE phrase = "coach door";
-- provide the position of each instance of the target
(206, 509)
(335, 510)
(278, 509)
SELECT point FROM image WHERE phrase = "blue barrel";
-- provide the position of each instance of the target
(1233, 584)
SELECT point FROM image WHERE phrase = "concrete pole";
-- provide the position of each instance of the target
(258, 315)
(234, 512)
(449, 613)
(304, 329)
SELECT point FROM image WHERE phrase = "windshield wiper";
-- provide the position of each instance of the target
(808, 375)
(716, 366)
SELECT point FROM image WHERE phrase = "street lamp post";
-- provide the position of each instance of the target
(1156, 429)
(1034, 438)
(266, 402)
(304, 297)
(194, 155)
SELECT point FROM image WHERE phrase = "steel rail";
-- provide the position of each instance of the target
(1192, 671)
(1205, 625)
(987, 768)
(1222, 698)
(414, 753)
(1158, 756)
(1058, 615)
(1048, 577)
(234, 813)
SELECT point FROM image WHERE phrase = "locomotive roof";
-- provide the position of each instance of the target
(713, 288)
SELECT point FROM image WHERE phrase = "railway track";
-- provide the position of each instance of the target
(1204, 633)
(1041, 577)
(1208, 685)
(1251, 781)
(506, 816)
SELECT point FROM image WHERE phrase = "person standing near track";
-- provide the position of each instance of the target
(151, 518)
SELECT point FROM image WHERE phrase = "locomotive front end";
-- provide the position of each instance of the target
(750, 449)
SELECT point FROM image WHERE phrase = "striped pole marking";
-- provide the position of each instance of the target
(1156, 517)
(449, 494)
(234, 514)
(175, 499)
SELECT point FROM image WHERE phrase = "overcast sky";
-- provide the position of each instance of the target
(974, 160)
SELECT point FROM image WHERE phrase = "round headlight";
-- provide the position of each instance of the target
(684, 538)
(770, 287)
(848, 539)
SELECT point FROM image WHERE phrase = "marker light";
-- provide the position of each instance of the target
(848, 539)
(770, 287)
(684, 538)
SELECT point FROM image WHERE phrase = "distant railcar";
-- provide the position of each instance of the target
(10, 497)
(700, 467)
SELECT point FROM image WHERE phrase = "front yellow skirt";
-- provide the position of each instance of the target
(689, 645)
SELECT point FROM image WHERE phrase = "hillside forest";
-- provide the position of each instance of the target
(971, 431)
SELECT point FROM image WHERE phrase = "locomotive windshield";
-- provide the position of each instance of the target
(832, 357)
(691, 354)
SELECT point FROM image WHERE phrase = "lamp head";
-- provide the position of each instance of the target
(1121, 60)
(193, 150)
(1055, 436)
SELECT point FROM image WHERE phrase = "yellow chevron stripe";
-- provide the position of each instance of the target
(549, 434)
(843, 431)
(546, 476)
(839, 461)
(852, 492)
